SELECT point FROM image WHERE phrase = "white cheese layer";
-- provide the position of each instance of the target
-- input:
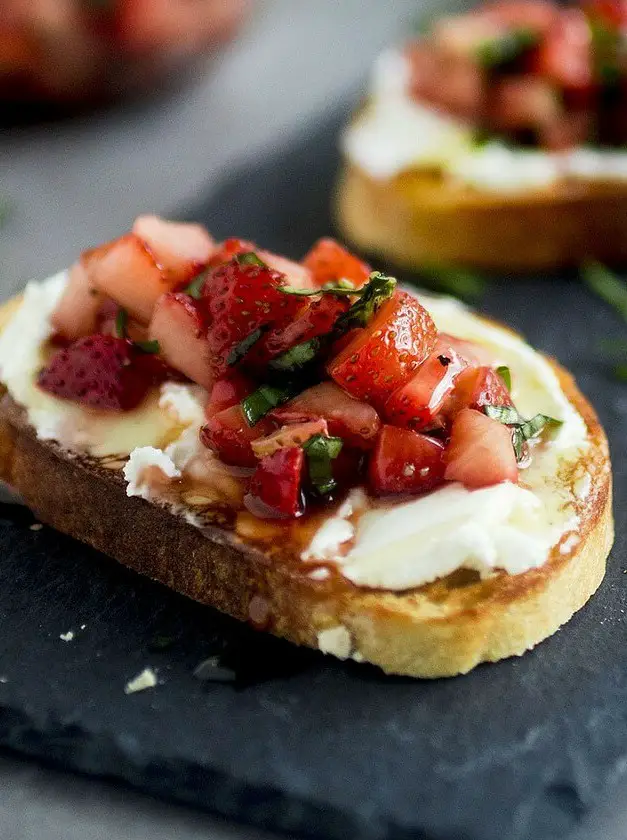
(508, 527)
(395, 134)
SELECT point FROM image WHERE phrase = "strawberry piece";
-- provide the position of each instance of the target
(329, 262)
(239, 299)
(275, 488)
(298, 276)
(77, 312)
(102, 372)
(315, 320)
(387, 352)
(473, 354)
(524, 102)
(476, 387)
(228, 391)
(230, 436)
(565, 55)
(357, 423)
(294, 435)
(416, 404)
(178, 325)
(127, 271)
(480, 452)
(225, 251)
(405, 462)
(182, 250)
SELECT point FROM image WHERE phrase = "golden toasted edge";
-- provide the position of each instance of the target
(441, 629)
(419, 218)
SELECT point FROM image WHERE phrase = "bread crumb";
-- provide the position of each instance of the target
(67, 637)
(36, 526)
(147, 679)
(336, 640)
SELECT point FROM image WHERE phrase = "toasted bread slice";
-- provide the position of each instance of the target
(419, 218)
(440, 629)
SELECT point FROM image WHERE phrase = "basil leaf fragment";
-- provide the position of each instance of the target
(263, 400)
(240, 350)
(194, 289)
(321, 451)
(343, 288)
(506, 375)
(250, 258)
(121, 322)
(606, 285)
(506, 414)
(298, 356)
(148, 346)
(379, 288)
(494, 53)
(522, 430)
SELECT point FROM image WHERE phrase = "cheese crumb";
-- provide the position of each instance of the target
(147, 679)
(142, 458)
(67, 637)
(336, 640)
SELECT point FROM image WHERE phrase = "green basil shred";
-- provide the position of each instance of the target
(121, 322)
(343, 288)
(250, 258)
(379, 288)
(500, 51)
(506, 375)
(606, 285)
(194, 289)
(263, 400)
(321, 451)
(241, 349)
(297, 356)
(522, 430)
(147, 346)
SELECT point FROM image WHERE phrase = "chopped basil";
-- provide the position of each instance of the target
(343, 288)
(147, 346)
(121, 322)
(506, 375)
(495, 53)
(298, 356)
(453, 280)
(522, 430)
(379, 288)
(240, 350)
(194, 289)
(606, 285)
(321, 451)
(263, 400)
(250, 258)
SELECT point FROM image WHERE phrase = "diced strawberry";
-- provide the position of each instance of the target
(524, 102)
(461, 36)
(102, 372)
(178, 325)
(573, 128)
(294, 435)
(77, 312)
(471, 352)
(182, 250)
(315, 320)
(238, 299)
(230, 436)
(228, 391)
(275, 488)
(405, 462)
(297, 275)
(329, 262)
(535, 16)
(565, 55)
(480, 451)
(126, 271)
(357, 423)
(611, 12)
(387, 352)
(225, 251)
(416, 404)
(476, 387)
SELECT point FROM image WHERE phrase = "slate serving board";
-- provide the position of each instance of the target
(295, 741)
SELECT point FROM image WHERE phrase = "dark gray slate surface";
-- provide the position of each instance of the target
(522, 749)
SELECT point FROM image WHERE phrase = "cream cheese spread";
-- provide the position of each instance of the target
(395, 134)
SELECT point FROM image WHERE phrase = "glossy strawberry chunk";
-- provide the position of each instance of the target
(416, 404)
(316, 319)
(102, 372)
(385, 354)
(356, 422)
(228, 391)
(178, 325)
(238, 299)
(180, 249)
(78, 310)
(405, 462)
(230, 436)
(127, 271)
(565, 54)
(476, 387)
(329, 262)
(275, 487)
(296, 434)
(480, 451)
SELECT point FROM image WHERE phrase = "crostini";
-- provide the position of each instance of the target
(308, 447)
(496, 140)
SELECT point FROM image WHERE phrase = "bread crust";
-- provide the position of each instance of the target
(418, 218)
